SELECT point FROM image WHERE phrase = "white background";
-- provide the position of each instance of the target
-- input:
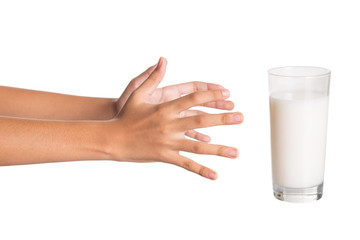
(94, 48)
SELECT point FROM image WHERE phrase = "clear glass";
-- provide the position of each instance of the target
(299, 99)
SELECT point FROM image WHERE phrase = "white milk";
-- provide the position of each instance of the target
(298, 138)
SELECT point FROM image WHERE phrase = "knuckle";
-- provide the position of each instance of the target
(163, 110)
(198, 148)
(195, 97)
(226, 119)
(219, 104)
(196, 135)
(202, 171)
(210, 104)
(195, 85)
(221, 151)
(134, 84)
(200, 120)
(164, 156)
(159, 109)
(223, 119)
(164, 131)
(187, 164)
(217, 94)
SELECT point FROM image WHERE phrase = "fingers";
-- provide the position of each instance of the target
(133, 85)
(189, 113)
(192, 133)
(195, 167)
(198, 136)
(197, 99)
(175, 91)
(190, 87)
(143, 76)
(152, 82)
(137, 81)
(209, 120)
(224, 105)
(209, 149)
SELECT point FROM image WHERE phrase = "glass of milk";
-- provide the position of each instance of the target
(299, 98)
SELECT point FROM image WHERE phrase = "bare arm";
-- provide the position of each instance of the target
(26, 141)
(141, 132)
(24, 103)
(17, 102)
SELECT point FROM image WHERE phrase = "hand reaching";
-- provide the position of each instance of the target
(169, 93)
(152, 123)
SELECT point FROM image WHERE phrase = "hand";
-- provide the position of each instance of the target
(145, 131)
(131, 87)
(169, 93)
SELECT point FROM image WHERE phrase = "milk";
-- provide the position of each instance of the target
(298, 138)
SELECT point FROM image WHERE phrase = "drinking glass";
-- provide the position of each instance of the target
(299, 99)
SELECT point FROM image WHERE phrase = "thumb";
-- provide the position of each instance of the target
(153, 81)
(132, 86)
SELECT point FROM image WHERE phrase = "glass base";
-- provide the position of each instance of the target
(298, 195)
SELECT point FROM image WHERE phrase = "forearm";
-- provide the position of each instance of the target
(23, 103)
(25, 141)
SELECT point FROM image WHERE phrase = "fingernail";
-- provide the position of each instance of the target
(225, 92)
(231, 152)
(237, 118)
(212, 175)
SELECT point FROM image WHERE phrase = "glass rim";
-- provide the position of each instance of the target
(322, 72)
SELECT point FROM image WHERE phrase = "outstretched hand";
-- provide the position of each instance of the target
(169, 93)
(152, 123)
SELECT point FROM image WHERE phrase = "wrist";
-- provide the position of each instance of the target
(99, 140)
(110, 140)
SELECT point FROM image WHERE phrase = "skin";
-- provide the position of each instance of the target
(145, 124)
